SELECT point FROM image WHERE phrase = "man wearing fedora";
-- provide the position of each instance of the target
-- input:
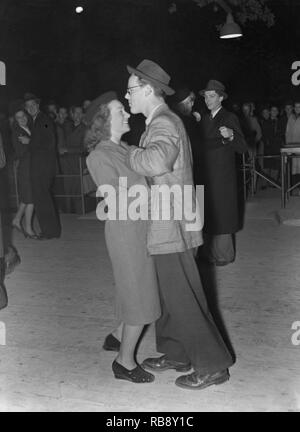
(185, 333)
(222, 138)
(43, 163)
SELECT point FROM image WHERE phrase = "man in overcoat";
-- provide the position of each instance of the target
(222, 138)
(43, 166)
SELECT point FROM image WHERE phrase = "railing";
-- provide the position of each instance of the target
(69, 163)
(75, 163)
(251, 165)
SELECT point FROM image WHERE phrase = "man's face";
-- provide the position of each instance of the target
(265, 113)
(86, 104)
(288, 109)
(135, 95)
(77, 115)
(274, 112)
(213, 100)
(297, 108)
(52, 108)
(62, 114)
(32, 107)
(119, 118)
(246, 109)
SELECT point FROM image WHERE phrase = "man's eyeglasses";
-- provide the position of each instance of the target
(129, 89)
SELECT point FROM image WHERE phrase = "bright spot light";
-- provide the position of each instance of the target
(79, 9)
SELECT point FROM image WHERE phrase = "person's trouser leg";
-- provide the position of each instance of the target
(222, 248)
(44, 205)
(187, 322)
(167, 339)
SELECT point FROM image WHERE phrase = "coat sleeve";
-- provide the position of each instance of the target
(102, 170)
(161, 150)
(238, 143)
(20, 149)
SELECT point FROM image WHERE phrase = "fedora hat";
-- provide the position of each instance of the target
(215, 85)
(153, 73)
(94, 106)
(182, 94)
(30, 96)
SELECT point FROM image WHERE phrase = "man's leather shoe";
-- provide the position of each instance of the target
(195, 381)
(111, 343)
(160, 364)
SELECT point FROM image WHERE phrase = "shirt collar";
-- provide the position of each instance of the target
(26, 128)
(216, 112)
(150, 116)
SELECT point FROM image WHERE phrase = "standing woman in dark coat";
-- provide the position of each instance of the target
(21, 138)
(222, 139)
(43, 165)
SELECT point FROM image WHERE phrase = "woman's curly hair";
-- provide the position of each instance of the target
(98, 129)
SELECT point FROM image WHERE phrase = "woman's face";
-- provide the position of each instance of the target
(119, 118)
(21, 118)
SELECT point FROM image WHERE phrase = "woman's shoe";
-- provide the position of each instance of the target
(21, 230)
(137, 375)
(33, 236)
(18, 228)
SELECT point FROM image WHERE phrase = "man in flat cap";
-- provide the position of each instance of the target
(222, 139)
(185, 333)
(43, 164)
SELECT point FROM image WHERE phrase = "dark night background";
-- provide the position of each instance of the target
(58, 54)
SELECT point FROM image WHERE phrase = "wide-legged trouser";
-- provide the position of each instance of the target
(186, 332)
(42, 177)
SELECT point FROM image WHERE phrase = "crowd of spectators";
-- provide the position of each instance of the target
(268, 128)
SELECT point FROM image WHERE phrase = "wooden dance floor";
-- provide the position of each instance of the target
(61, 308)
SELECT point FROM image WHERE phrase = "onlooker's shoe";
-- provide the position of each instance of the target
(12, 259)
(195, 381)
(160, 364)
(111, 343)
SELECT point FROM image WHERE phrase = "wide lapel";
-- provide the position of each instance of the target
(162, 108)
